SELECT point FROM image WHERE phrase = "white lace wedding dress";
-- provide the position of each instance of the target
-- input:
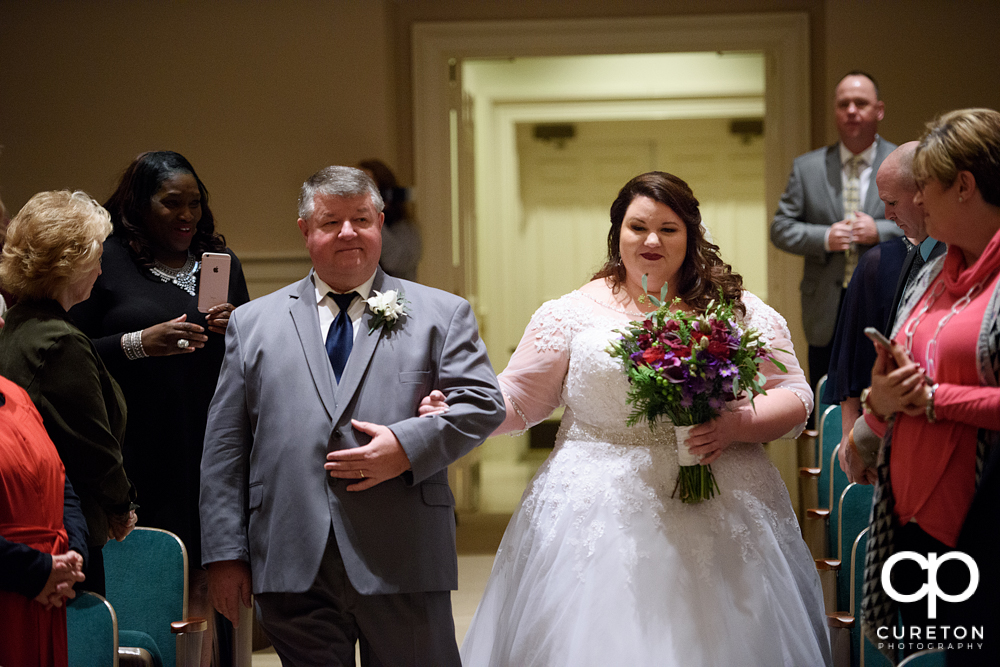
(600, 566)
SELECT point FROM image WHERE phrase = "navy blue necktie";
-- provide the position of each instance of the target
(340, 338)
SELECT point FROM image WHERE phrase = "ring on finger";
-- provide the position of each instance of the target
(183, 343)
(362, 473)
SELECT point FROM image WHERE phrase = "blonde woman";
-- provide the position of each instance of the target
(936, 394)
(51, 258)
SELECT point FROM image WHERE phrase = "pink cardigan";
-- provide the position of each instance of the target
(933, 465)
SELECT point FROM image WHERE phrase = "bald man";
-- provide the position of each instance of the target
(869, 303)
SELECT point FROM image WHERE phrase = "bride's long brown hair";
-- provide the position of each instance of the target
(703, 273)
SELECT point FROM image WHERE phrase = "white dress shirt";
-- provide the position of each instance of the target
(328, 308)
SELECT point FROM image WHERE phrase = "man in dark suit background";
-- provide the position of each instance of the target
(318, 479)
(830, 212)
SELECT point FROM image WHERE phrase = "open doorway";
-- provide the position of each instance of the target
(463, 119)
(554, 140)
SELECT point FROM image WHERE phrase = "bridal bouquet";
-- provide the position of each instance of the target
(687, 366)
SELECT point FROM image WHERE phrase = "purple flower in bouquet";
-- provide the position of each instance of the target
(686, 366)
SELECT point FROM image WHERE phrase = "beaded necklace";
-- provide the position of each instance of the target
(184, 277)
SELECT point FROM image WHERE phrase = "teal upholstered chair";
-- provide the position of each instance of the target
(855, 511)
(92, 631)
(810, 468)
(147, 582)
(815, 527)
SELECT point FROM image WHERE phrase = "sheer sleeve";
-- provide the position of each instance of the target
(773, 327)
(532, 383)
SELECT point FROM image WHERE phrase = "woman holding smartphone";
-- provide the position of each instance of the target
(935, 392)
(144, 320)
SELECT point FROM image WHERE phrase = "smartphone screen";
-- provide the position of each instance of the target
(213, 287)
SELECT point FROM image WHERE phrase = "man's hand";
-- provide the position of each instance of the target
(852, 465)
(863, 229)
(381, 459)
(67, 569)
(839, 237)
(120, 525)
(229, 584)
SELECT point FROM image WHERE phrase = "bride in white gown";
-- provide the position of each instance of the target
(599, 565)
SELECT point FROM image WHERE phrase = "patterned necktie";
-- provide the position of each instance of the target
(852, 204)
(340, 338)
(918, 261)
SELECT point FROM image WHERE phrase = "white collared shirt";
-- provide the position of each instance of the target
(328, 308)
(864, 174)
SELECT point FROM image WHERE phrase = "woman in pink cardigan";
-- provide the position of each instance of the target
(936, 394)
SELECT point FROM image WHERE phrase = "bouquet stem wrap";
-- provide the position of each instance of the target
(695, 482)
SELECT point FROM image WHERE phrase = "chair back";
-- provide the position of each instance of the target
(853, 515)
(91, 631)
(829, 437)
(863, 652)
(821, 406)
(146, 578)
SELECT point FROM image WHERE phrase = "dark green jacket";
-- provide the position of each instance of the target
(81, 405)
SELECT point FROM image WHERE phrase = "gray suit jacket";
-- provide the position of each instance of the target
(278, 410)
(811, 203)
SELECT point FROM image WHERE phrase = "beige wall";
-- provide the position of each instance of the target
(929, 56)
(258, 95)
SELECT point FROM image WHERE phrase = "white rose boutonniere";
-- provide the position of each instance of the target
(388, 309)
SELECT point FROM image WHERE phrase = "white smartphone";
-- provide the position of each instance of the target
(878, 337)
(213, 287)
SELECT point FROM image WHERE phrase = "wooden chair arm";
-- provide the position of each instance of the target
(840, 620)
(809, 473)
(817, 513)
(189, 625)
(831, 564)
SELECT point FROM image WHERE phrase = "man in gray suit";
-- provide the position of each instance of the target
(318, 479)
(812, 219)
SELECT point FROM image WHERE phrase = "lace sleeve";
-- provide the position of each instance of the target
(774, 329)
(532, 383)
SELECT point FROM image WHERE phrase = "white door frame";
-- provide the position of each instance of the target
(438, 49)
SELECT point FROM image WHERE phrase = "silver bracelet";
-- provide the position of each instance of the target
(132, 346)
(929, 408)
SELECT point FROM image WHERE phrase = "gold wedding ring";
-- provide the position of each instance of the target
(362, 473)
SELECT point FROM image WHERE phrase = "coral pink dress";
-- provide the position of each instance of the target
(32, 481)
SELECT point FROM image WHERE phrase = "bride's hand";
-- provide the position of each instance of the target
(707, 441)
(432, 404)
